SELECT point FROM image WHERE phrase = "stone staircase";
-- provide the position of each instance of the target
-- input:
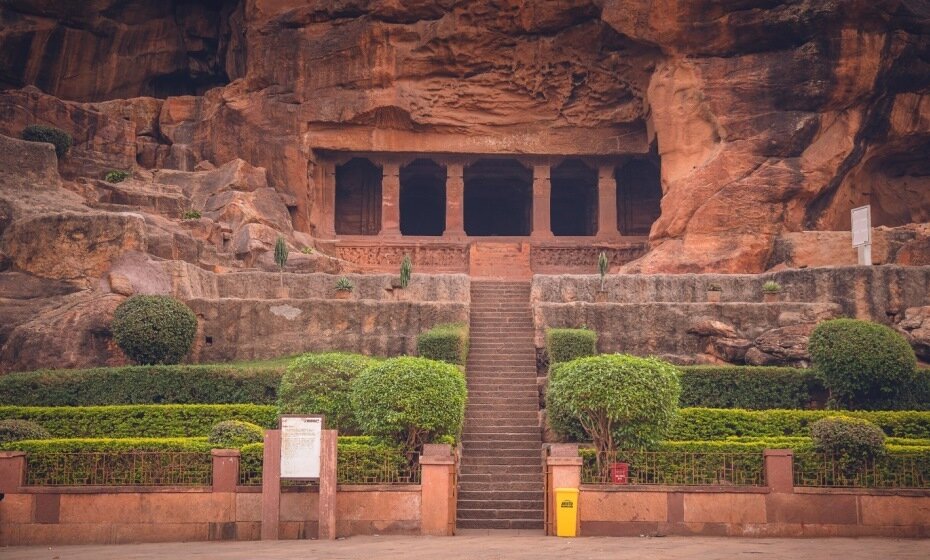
(501, 478)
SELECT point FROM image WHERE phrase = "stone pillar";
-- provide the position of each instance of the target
(542, 202)
(390, 200)
(607, 204)
(437, 501)
(455, 201)
(564, 471)
(779, 470)
(225, 469)
(328, 210)
(12, 471)
(271, 485)
(328, 458)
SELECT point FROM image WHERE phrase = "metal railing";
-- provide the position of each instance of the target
(350, 469)
(890, 471)
(675, 468)
(130, 468)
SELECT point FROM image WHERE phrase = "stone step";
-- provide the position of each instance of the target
(521, 524)
(504, 472)
(484, 438)
(524, 452)
(507, 514)
(509, 495)
(500, 504)
(503, 447)
(494, 460)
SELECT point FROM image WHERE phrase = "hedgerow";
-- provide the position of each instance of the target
(446, 343)
(564, 345)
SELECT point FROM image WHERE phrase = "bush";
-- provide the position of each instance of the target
(864, 365)
(162, 384)
(16, 430)
(108, 445)
(191, 215)
(565, 345)
(446, 343)
(116, 176)
(235, 433)
(51, 135)
(621, 401)
(172, 420)
(411, 401)
(320, 384)
(749, 387)
(849, 438)
(154, 329)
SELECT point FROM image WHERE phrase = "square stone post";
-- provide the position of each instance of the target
(328, 458)
(779, 470)
(225, 469)
(542, 202)
(607, 204)
(437, 484)
(390, 200)
(455, 201)
(328, 210)
(12, 471)
(563, 471)
(271, 485)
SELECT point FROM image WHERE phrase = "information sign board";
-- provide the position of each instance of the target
(301, 438)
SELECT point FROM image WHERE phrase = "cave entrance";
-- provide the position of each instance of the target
(498, 198)
(422, 198)
(358, 198)
(574, 199)
(639, 196)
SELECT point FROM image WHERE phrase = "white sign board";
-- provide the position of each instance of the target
(861, 226)
(301, 438)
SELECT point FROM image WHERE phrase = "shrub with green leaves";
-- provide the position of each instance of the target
(749, 387)
(320, 384)
(51, 135)
(191, 215)
(564, 345)
(411, 401)
(16, 430)
(154, 329)
(621, 401)
(116, 176)
(864, 365)
(842, 436)
(446, 343)
(234, 434)
(343, 284)
(771, 287)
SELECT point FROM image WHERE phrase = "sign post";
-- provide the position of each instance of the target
(862, 233)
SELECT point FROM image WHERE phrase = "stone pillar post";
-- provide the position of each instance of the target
(328, 460)
(12, 471)
(437, 501)
(607, 204)
(779, 470)
(542, 202)
(271, 485)
(455, 201)
(564, 471)
(328, 210)
(225, 469)
(390, 200)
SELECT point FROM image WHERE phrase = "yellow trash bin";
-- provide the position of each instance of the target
(566, 508)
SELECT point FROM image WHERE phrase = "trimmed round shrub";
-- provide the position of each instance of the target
(852, 438)
(411, 401)
(620, 401)
(18, 430)
(49, 134)
(565, 345)
(154, 329)
(320, 384)
(235, 434)
(864, 365)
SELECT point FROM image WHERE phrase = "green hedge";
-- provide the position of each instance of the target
(755, 388)
(175, 384)
(108, 445)
(174, 420)
(565, 345)
(446, 343)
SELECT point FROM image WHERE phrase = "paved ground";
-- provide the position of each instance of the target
(495, 547)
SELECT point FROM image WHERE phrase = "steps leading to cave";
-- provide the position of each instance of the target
(501, 477)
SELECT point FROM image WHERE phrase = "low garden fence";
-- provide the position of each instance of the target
(124, 468)
(673, 468)
(362, 465)
(889, 471)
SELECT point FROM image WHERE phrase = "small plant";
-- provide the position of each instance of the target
(603, 265)
(154, 329)
(344, 285)
(771, 287)
(307, 250)
(116, 176)
(280, 256)
(51, 135)
(235, 433)
(191, 215)
(714, 288)
(406, 270)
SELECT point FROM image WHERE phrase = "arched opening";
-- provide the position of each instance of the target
(498, 198)
(358, 198)
(639, 196)
(422, 198)
(574, 199)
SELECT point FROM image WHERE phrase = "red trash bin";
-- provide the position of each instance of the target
(619, 473)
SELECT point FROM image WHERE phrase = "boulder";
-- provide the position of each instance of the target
(916, 328)
(787, 344)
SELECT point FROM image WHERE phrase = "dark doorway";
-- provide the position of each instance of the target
(498, 198)
(574, 199)
(358, 198)
(639, 196)
(422, 198)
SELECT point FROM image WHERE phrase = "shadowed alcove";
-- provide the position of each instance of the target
(498, 198)
(574, 198)
(639, 196)
(358, 198)
(422, 198)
